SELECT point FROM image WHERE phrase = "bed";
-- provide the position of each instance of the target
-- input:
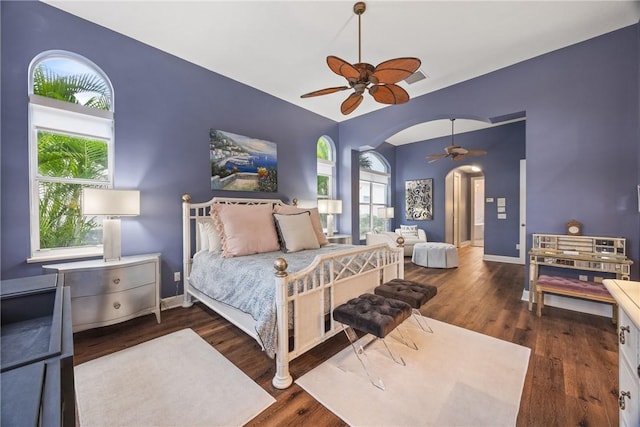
(282, 298)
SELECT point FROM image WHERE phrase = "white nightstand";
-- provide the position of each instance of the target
(104, 293)
(345, 239)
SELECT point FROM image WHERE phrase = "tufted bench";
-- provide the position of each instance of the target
(375, 315)
(435, 255)
(573, 288)
(413, 293)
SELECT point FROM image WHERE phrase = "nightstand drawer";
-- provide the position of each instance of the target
(111, 308)
(96, 282)
(628, 333)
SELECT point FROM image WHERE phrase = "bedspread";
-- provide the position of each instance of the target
(248, 283)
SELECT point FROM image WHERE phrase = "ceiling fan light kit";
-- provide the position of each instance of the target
(379, 81)
(456, 152)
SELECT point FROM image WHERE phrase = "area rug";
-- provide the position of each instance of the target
(456, 378)
(174, 380)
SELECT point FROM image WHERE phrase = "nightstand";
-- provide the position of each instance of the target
(104, 293)
(345, 239)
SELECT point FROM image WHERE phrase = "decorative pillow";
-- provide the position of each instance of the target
(209, 235)
(245, 229)
(409, 230)
(315, 219)
(204, 237)
(296, 232)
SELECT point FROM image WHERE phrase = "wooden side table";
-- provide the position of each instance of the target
(345, 239)
(105, 293)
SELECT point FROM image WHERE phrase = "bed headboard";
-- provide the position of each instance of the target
(191, 212)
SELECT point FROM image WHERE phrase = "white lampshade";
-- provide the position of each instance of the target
(385, 213)
(109, 202)
(326, 206)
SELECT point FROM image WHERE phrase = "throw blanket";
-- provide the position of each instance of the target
(248, 283)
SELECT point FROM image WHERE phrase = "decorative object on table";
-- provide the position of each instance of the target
(380, 81)
(574, 228)
(419, 199)
(113, 204)
(456, 152)
(242, 163)
(330, 207)
(386, 214)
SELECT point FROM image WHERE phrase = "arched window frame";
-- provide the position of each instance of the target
(326, 168)
(49, 115)
(374, 193)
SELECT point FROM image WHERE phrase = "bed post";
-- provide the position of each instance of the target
(283, 378)
(186, 249)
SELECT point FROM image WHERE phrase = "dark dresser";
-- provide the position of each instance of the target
(36, 353)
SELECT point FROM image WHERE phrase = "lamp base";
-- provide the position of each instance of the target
(329, 225)
(111, 239)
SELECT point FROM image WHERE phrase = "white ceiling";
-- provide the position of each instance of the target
(280, 47)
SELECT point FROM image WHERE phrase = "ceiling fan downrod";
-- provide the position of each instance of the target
(359, 9)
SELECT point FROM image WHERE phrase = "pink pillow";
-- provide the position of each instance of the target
(315, 219)
(245, 229)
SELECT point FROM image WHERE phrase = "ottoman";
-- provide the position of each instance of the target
(435, 255)
(413, 293)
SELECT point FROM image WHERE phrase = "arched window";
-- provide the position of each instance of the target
(374, 191)
(326, 170)
(70, 147)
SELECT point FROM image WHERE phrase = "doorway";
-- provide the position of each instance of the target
(464, 206)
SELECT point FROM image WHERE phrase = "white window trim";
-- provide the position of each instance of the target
(51, 115)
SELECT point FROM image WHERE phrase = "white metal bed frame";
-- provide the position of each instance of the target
(351, 272)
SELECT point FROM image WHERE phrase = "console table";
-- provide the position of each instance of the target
(606, 255)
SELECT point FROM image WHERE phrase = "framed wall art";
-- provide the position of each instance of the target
(242, 163)
(419, 199)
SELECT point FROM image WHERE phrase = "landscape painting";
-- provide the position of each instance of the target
(242, 163)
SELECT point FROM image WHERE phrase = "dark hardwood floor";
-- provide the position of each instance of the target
(572, 378)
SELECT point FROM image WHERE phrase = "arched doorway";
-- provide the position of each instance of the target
(464, 206)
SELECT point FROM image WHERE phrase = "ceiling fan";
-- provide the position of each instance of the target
(456, 152)
(379, 80)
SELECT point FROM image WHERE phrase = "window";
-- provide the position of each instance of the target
(374, 191)
(70, 147)
(326, 154)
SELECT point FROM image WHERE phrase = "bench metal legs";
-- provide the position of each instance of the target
(422, 321)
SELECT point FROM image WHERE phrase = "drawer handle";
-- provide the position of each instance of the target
(621, 401)
(116, 305)
(116, 281)
(622, 331)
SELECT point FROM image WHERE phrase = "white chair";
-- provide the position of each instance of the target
(410, 241)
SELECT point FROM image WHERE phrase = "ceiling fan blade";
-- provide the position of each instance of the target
(476, 153)
(351, 103)
(324, 91)
(433, 157)
(342, 68)
(394, 70)
(389, 94)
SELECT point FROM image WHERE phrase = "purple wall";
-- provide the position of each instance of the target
(582, 132)
(505, 147)
(164, 107)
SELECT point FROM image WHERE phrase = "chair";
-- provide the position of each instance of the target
(410, 240)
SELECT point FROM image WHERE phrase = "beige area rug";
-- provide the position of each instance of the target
(456, 378)
(174, 380)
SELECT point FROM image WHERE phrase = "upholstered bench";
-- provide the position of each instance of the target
(375, 315)
(435, 255)
(413, 293)
(574, 288)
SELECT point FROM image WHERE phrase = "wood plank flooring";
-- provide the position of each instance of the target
(573, 371)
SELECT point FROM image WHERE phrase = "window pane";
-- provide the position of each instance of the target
(66, 156)
(61, 221)
(378, 223)
(372, 161)
(323, 186)
(324, 150)
(365, 192)
(68, 80)
(379, 195)
(365, 220)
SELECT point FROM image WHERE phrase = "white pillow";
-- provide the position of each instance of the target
(409, 230)
(203, 232)
(296, 232)
(214, 242)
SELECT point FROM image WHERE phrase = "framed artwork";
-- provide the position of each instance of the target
(419, 199)
(242, 163)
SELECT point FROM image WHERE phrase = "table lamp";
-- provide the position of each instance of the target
(329, 207)
(113, 204)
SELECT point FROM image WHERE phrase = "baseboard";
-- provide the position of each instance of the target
(171, 302)
(575, 304)
(505, 259)
(465, 243)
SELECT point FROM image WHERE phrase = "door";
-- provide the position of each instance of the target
(477, 209)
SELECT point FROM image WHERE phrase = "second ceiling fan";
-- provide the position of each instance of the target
(380, 80)
(456, 152)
